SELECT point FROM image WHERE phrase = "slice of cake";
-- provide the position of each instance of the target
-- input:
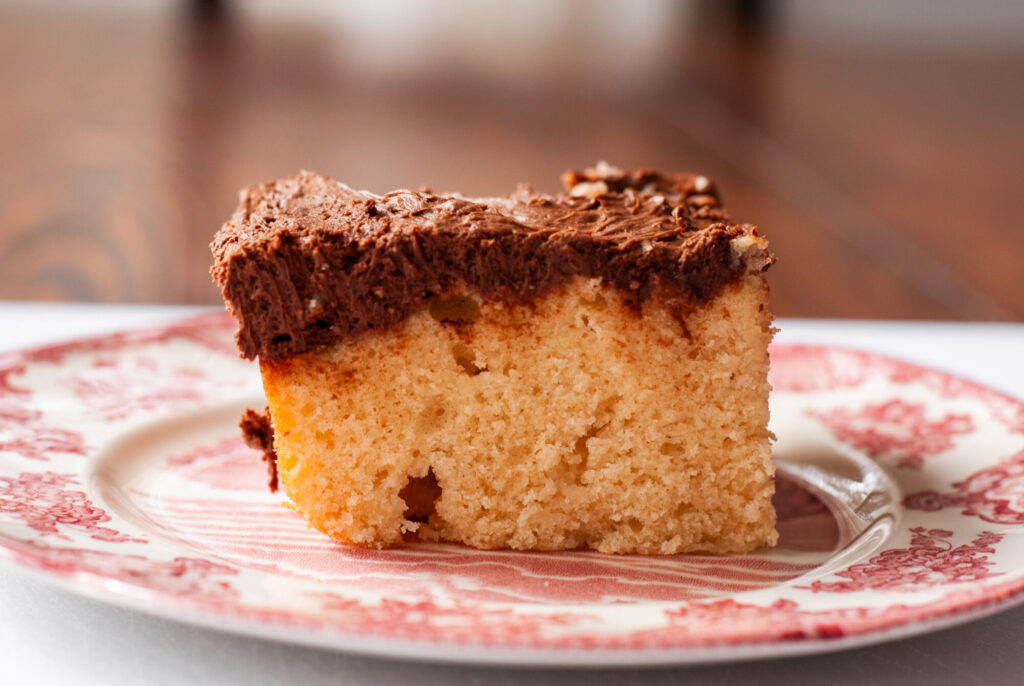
(533, 371)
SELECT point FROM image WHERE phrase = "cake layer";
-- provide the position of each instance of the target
(307, 261)
(579, 419)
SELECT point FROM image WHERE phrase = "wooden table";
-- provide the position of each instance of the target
(889, 182)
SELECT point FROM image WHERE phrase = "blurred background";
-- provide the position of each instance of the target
(879, 144)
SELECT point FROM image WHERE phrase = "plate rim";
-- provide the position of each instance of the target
(97, 589)
(137, 597)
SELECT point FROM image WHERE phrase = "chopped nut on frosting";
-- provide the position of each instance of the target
(750, 251)
(586, 189)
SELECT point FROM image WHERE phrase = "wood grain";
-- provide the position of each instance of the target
(888, 183)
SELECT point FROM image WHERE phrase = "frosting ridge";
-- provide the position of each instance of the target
(306, 261)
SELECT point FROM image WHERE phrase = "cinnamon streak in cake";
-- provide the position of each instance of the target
(307, 261)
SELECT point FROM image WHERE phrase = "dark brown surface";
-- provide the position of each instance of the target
(307, 261)
(886, 179)
(258, 434)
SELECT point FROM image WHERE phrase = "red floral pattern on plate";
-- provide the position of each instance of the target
(42, 501)
(809, 368)
(188, 577)
(116, 388)
(783, 619)
(895, 429)
(218, 543)
(211, 331)
(995, 494)
(815, 368)
(930, 560)
(23, 432)
(459, 623)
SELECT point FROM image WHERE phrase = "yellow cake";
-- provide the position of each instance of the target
(531, 372)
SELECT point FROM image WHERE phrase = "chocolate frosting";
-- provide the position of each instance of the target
(307, 261)
(258, 434)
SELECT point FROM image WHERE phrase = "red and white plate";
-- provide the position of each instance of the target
(123, 476)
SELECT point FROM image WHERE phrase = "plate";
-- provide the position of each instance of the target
(123, 477)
